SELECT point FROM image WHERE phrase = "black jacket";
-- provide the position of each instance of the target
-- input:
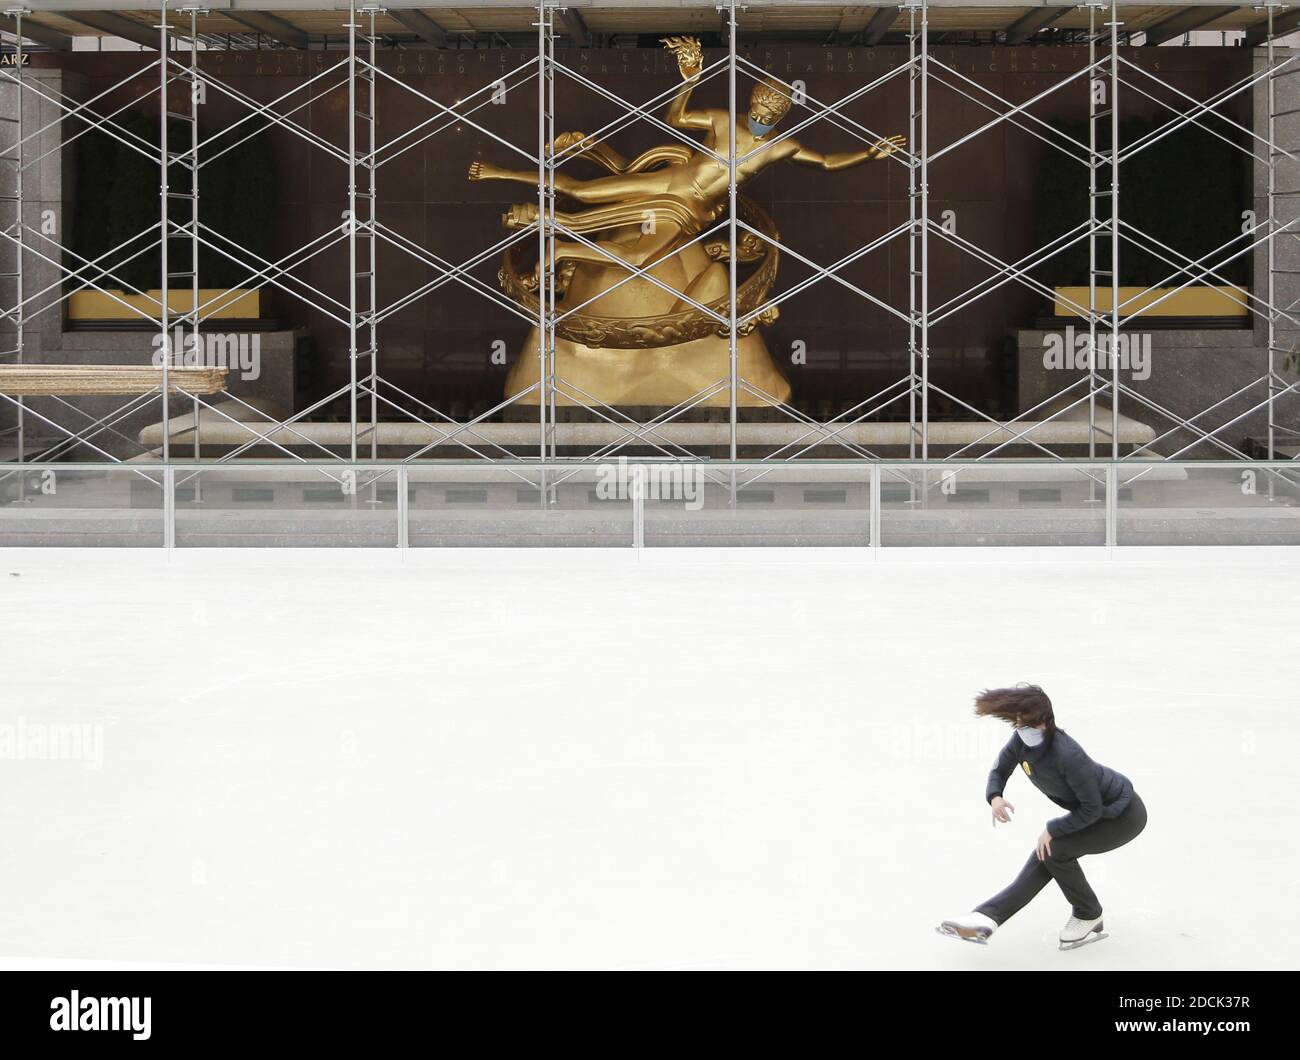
(1062, 770)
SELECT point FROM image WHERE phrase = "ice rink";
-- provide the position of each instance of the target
(660, 760)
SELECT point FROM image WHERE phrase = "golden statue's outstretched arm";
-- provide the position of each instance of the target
(883, 148)
(690, 61)
(615, 188)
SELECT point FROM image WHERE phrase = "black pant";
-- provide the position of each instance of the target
(1062, 865)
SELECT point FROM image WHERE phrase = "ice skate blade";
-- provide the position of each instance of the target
(980, 940)
(1096, 936)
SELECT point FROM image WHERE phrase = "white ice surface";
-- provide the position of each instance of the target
(677, 760)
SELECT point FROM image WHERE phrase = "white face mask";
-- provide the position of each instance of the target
(1030, 736)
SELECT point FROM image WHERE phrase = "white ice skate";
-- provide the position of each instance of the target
(1078, 933)
(972, 927)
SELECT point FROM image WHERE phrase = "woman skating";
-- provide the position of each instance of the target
(1104, 813)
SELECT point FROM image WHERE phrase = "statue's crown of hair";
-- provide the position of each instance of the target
(772, 98)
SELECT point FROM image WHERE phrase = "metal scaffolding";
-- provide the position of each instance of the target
(14, 158)
(378, 408)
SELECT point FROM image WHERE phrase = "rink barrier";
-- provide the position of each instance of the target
(650, 504)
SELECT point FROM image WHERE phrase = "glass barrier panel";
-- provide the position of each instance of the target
(1181, 504)
(993, 505)
(326, 506)
(518, 506)
(53, 505)
(695, 504)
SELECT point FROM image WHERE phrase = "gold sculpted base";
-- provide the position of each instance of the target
(633, 342)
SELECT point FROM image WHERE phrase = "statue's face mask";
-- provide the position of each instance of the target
(757, 128)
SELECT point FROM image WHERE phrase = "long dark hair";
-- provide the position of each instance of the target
(1021, 705)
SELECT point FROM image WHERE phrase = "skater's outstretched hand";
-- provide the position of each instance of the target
(1044, 845)
(1002, 810)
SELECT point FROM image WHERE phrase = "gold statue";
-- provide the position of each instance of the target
(634, 342)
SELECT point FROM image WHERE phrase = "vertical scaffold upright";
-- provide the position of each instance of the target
(546, 151)
(164, 227)
(179, 330)
(913, 216)
(733, 367)
(1279, 317)
(19, 226)
(1116, 309)
(1271, 193)
(923, 198)
(546, 163)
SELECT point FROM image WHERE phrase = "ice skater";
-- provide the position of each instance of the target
(1104, 813)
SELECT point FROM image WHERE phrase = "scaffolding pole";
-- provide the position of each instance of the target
(164, 234)
(352, 230)
(19, 198)
(371, 117)
(913, 255)
(733, 363)
(548, 153)
(1270, 251)
(925, 230)
(196, 97)
(189, 319)
(544, 165)
(1093, 192)
(1113, 102)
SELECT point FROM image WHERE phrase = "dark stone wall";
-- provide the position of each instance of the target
(439, 347)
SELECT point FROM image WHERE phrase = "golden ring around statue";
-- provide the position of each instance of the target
(638, 333)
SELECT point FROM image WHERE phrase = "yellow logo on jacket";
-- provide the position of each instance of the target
(1025, 766)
